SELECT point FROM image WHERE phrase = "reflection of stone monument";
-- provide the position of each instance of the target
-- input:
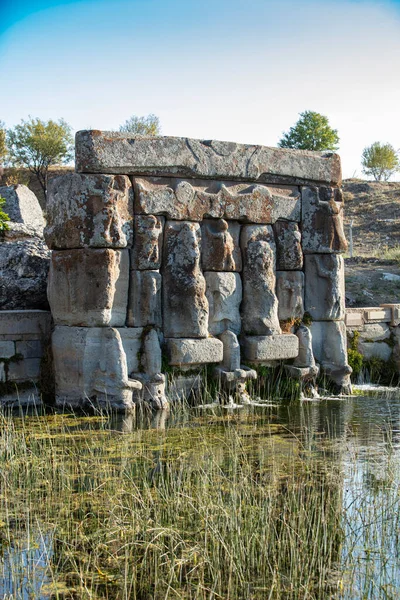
(192, 250)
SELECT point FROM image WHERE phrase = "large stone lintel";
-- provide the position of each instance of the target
(194, 352)
(258, 349)
(115, 152)
(196, 199)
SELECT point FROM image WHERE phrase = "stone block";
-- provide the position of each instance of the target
(329, 344)
(24, 210)
(305, 357)
(132, 339)
(324, 287)
(29, 349)
(182, 387)
(185, 304)
(194, 352)
(144, 306)
(395, 309)
(94, 211)
(375, 350)
(224, 295)
(24, 370)
(115, 152)
(322, 220)
(35, 323)
(220, 245)
(197, 199)
(89, 287)
(290, 294)
(354, 319)
(288, 246)
(90, 366)
(372, 315)
(260, 304)
(374, 332)
(24, 265)
(259, 349)
(7, 349)
(231, 353)
(147, 247)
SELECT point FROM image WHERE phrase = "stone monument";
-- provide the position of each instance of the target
(181, 252)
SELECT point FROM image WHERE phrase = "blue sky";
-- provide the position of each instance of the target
(226, 69)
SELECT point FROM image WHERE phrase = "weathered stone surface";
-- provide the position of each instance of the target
(89, 287)
(24, 266)
(305, 357)
(114, 152)
(329, 344)
(322, 220)
(220, 245)
(395, 313)
(29, 349)
(184, 387)
(153, 381)
(290, 293)
(375, 350)
(147, 247)
(231, 352)
(260, 304)
(93, 211)
(194, 352)
(25, 324)
(196, 199)
(132, 341)
(354, 319)
(374, 332)
(185, 303)
(288, 246)
(224, 295)
(24, 370)
(376, 315)
(23, 208)
(7, 349)
(90, 367)
(259, 349)
(144, 306)
(324, 287)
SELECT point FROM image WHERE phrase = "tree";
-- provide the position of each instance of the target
(311, 132)
(37, 145)
(4, 218)
(149, 125)
(3, 146)
(380, 160)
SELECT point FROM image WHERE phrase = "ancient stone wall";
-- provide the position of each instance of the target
(171, 253)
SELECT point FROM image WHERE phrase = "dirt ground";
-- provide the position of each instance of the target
(374, 208)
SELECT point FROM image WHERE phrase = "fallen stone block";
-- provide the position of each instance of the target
(197, 199)
(115, 152)
(89, 287)
(94, 211)
(322, 220)
(23, 208)
(375, 350)
(288, 246)
(324, 287)
(374, 332)
(290, 294)
(144, 306)
(194, 352)
(185, 309)
(258, 349)
(224, 295)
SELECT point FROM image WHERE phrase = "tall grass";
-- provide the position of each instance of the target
(227, 506)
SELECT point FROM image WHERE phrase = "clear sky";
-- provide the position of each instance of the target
(236, 70)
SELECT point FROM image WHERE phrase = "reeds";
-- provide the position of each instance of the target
(220, 505)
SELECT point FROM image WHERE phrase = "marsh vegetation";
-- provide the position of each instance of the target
(298, 502)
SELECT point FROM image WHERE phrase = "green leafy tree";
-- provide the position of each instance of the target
(311, 132)
(148, 125)
(380, 160)
(4, 218)
(38, 145)
(3, 145)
